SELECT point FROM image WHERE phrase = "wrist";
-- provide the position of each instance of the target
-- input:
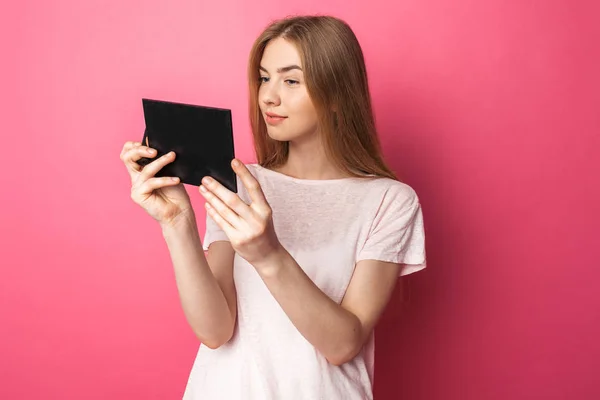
(272, 263)
(183, 221)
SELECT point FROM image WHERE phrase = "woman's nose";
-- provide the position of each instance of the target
(270, 96)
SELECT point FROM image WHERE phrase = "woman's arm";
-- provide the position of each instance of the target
(207, 292)
(337, 331)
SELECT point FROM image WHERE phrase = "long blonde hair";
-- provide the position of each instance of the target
(336, 79)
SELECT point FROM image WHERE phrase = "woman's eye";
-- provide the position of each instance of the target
(291, 82)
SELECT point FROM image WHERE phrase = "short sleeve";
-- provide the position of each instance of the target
(212, 233)
(397, 233)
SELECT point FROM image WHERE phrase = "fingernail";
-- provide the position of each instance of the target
(236, 163)
(202, 189)
(207, 180)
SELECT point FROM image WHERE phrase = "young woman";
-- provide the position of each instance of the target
(303, 259)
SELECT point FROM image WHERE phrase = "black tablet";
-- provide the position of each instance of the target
(200, 136)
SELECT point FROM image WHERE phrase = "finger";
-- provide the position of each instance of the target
(131, 146)
(232, 200)
(252, 186)
(126, 147)
(229, 215)
(224, 225)
(148, 186)
(151, 169)
(133, 155)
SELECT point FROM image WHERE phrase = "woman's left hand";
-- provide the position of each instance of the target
(248, 227)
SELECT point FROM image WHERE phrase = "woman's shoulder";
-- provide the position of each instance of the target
(386, 191)
(396, 187)
(252, 167)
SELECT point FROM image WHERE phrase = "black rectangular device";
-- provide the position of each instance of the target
(200, 136)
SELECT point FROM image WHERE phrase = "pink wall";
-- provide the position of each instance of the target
(489, 109)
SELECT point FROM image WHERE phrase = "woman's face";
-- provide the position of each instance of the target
(283, 92)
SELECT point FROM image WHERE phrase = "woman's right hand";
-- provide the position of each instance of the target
(164, 198)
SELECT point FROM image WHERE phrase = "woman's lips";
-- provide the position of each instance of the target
(273, 120)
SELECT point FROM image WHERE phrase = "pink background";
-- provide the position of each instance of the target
(489, 109)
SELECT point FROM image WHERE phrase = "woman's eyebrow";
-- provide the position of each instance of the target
(282, 70)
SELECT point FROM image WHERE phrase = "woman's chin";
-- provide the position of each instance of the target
(277, 136)
(282, 136)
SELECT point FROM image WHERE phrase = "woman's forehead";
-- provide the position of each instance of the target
(279, 53)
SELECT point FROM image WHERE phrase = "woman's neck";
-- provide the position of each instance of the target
(308, 161)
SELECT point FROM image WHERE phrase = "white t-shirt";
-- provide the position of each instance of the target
(327, 226)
